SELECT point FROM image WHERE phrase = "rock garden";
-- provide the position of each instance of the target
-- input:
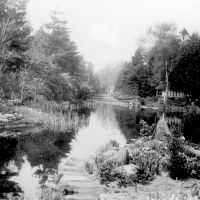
(127, 171)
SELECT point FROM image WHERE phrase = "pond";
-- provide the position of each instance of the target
(29, 161)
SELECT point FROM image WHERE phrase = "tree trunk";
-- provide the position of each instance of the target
(167, 86)
(167, 81)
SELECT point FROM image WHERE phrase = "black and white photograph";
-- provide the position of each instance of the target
(99, 99)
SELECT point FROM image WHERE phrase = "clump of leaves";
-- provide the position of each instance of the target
(148, 161)
(114, 143)
(145, 129)
(106, 172)
(194, 167)
(90, 167)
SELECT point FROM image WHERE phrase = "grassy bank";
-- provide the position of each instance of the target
(50, 121)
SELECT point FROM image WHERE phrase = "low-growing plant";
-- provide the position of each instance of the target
(90, 167)
(105, 172)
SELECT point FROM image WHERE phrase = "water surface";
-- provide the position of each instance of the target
(29, 162)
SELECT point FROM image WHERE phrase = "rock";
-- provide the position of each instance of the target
(181, 139)
(146, 149)
(120, 157)
(18, 116)
(8, 116)
(114, 148)
(67, 189)
(109, 153)
(162, 131)
(3, 120)
(13, 118)
(128, 170)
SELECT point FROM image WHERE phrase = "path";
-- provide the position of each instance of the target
(105, 97)
(75, 175)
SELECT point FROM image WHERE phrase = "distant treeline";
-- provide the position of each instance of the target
(165, 60)
(45, 64)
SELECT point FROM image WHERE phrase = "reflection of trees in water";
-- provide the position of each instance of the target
(148, 115)
(7, 153)
(105, 114)
(84, 116)
(192, 127)
(187, 124)
(128, 120)
(43, 150)
(46, 149)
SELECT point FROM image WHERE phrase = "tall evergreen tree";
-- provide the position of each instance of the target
(14, 34)
(61, 48)
(14, 42)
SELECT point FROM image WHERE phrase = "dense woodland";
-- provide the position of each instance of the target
(47, 65)
(167, 59)
(41, 65)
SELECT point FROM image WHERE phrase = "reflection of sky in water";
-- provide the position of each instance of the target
(90, 138)
(104, 124)
(27, 180)
(101, 129)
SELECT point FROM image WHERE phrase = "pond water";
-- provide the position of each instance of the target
(29, 161)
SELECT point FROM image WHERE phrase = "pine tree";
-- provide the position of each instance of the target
(60, 47)
(14, 34)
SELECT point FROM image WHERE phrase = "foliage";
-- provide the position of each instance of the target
(56, 122)
(46, 63)
(6, 107)
(15, 41)
(147, 160)
(145, 129)
(178, 166)
(185, 76)
(89, 167)
(146, 154)
(172, 60)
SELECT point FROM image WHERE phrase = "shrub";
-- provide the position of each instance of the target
(114, 143)
(105, 172)
(149, 161)
(90, 167)
(194, 167)
(178, 167)
(145, 129)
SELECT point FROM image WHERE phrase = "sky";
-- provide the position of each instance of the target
(108, 32)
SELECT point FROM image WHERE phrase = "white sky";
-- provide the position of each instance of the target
(107, 31)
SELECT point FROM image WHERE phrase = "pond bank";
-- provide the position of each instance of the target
(143, 171)
(62, 154)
